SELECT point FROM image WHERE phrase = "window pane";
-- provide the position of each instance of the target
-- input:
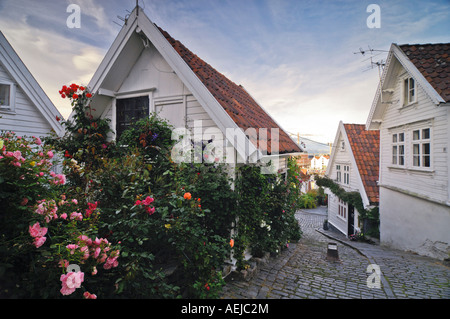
(426, 133)
(401, 137)
(401, 160)
(394, 138)
(416, 149)
(426, 148)
(394, 155)
(129, 111)
(401, 149)
(405, 92)
(426, 154)
(426, 161)
(416, 135)
(4, 94)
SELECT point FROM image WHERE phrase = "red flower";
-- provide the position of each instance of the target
(75, 96)
(88, 95)
(187, 196)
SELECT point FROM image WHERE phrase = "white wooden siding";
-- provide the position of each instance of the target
(25, 119)
(432, 183)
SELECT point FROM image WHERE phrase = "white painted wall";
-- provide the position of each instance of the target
(414, 203)
(434, 182)
(411, 223)
(24, 119)
(342, 157)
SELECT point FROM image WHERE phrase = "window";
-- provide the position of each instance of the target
(338, 173)
(7, 94)
(409, 91)
(421, 147)
(129, 111)
(346, 174)
(398, 149)
(342, 209)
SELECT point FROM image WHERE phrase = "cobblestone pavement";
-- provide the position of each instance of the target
(302, 271)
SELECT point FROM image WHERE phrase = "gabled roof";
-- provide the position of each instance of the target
(433, 61)
(20, 73)
(365, 146)
(234, 99)
(428, 64)
(229, 105)
(364, 150)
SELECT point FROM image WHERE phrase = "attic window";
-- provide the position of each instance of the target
(409, 91)
(7, 94)
(129, 111)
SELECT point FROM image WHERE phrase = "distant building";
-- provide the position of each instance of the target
(320, 162)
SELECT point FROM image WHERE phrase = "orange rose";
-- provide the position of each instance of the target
(187, 196)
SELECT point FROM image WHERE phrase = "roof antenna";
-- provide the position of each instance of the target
(137, 7)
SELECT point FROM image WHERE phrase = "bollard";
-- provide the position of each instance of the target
(332, 252)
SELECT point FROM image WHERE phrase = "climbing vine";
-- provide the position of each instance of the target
(353, 198)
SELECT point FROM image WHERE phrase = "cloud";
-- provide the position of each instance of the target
(53, 59)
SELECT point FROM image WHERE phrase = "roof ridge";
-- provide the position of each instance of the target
(236, 101)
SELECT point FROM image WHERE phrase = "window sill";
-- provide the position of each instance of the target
(7, 110)
(402, 107)
(413, 170)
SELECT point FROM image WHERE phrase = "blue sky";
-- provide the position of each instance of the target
(295, 57)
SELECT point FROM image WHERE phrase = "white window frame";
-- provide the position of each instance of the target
(398, 144)
(342, 209)
(347, 174)
(418, 147)
(338, 173)
(409, 87)
(12, 97)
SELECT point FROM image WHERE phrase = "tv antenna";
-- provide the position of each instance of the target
(125, 19)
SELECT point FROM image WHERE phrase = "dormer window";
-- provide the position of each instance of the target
(409, 91)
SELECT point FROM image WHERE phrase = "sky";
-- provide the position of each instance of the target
(299, 59)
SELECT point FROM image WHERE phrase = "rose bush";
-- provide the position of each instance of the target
(128, 222)
(42, 230)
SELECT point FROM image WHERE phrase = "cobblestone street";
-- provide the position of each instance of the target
(302, 271)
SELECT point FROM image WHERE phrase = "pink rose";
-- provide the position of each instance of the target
(37, 231)
(50, 154)
(88, 295)
(39, 241)
(70, 282)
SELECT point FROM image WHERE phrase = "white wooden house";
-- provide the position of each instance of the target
(146, 70)
(411, 110)
(319, 162)
(353, 165)
(24, 106)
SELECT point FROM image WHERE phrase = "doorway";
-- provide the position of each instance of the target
(351, 220)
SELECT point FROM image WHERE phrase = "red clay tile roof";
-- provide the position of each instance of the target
(235, 100)
(366, 150)
(433, 61)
